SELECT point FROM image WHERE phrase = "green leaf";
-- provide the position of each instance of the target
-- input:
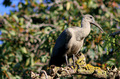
(38, 33)
(27, 62)
(60, 7)
(10, 75)
(68, 6)
(17, 77)
(117, 19)
(19, 56)
(107, 14)
(51, 49)
(24, 50)
(16, 18)
(12, 33)
(32, 60)
(43, 58)
(100, 49)
(4, 31)
(21, 21)
(92, 54)
(111, 62)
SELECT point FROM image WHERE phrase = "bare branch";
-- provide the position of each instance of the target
(81, 68)
(41, 25)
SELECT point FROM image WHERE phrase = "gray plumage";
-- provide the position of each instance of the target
(71, 41)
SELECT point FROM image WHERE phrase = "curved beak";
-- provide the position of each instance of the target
(96, 24)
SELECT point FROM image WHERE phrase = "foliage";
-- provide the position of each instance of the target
(29, 34)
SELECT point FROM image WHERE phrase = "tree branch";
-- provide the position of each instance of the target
(41, 25)
(81, 68)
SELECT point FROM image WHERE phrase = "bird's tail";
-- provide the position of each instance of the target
(57, 61)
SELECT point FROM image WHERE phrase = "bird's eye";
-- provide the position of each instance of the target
(90, 17)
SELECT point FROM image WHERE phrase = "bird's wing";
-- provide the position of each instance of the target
(61, 43)
(60, 48)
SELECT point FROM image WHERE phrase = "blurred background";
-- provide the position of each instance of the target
(29, 29)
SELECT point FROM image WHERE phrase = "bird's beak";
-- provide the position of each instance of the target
(96, 24)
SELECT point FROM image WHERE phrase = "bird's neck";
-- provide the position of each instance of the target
(85, 25)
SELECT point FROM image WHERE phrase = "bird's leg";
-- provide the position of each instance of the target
(66, 58)
(73, 60)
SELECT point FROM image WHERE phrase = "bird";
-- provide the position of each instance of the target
(71, 40)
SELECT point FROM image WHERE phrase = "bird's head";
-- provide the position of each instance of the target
(91, 20)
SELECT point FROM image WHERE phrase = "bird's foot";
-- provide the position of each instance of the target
(70, 66)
